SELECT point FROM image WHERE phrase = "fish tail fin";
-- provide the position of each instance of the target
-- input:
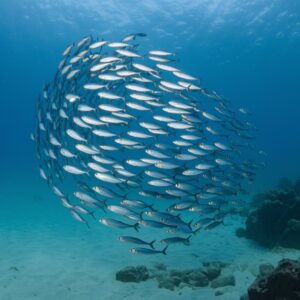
(187, 240)
(92, 213)
(151, 244)
(136, 226)
(190, 223)
(151, 207)
(87, 224)
(105, 202)
(103, 208)
(141, 215)
(178, 216)
(195, 231)
(164, 251)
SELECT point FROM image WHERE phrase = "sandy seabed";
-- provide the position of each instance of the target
(46, 255)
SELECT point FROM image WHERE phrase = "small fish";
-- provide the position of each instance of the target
(127, 53)
(82, 210)
(108, 178)
(139, 135)
(176, 240)
(109, 96)
(136, 163)
(118, 224)
(99, 67)
(124, 211)
(166, 165)
(97, 167)
(184, 75)
(137, 106)
(167, 68)
(171, 85)
(213, 225)
(148, 251)
(103, 133)
(110, 108)
(159, 59)
(151, 223)
(74, 135)
(200, 223)
(86, 149)
(112, 120)
(74, 170)
(91, 121)
(137, 204)
(159, 183)
(161, 53)
(78, 217)
(72, 98)
(97, 44)
(118, 45)
(174, 110)
(134, 240)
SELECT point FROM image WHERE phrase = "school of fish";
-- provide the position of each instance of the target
(132, 141)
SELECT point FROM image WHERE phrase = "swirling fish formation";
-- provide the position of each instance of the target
(133, 141)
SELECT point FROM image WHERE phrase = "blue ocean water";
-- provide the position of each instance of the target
(248, 51)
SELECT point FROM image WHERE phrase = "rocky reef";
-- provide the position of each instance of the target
(280, 283)
(275, 219)
(208, 274)
(133, 274)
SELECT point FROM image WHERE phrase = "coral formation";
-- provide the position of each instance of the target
(281, 283)
(207, 274)
(133, 274)
(276, 221)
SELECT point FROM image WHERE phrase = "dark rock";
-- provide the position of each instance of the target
(198, 278)
(265, 269)
(176, 280)
(193, 278)
(219, 293)
(166, 284)
(212, 271)
(240, 232)
(270, 225)
(133, 274)
(282, 283)
(258, 199)
(291, 235)
(222, 281)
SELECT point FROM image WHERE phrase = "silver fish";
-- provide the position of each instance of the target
(118, 224)
(148, 251)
